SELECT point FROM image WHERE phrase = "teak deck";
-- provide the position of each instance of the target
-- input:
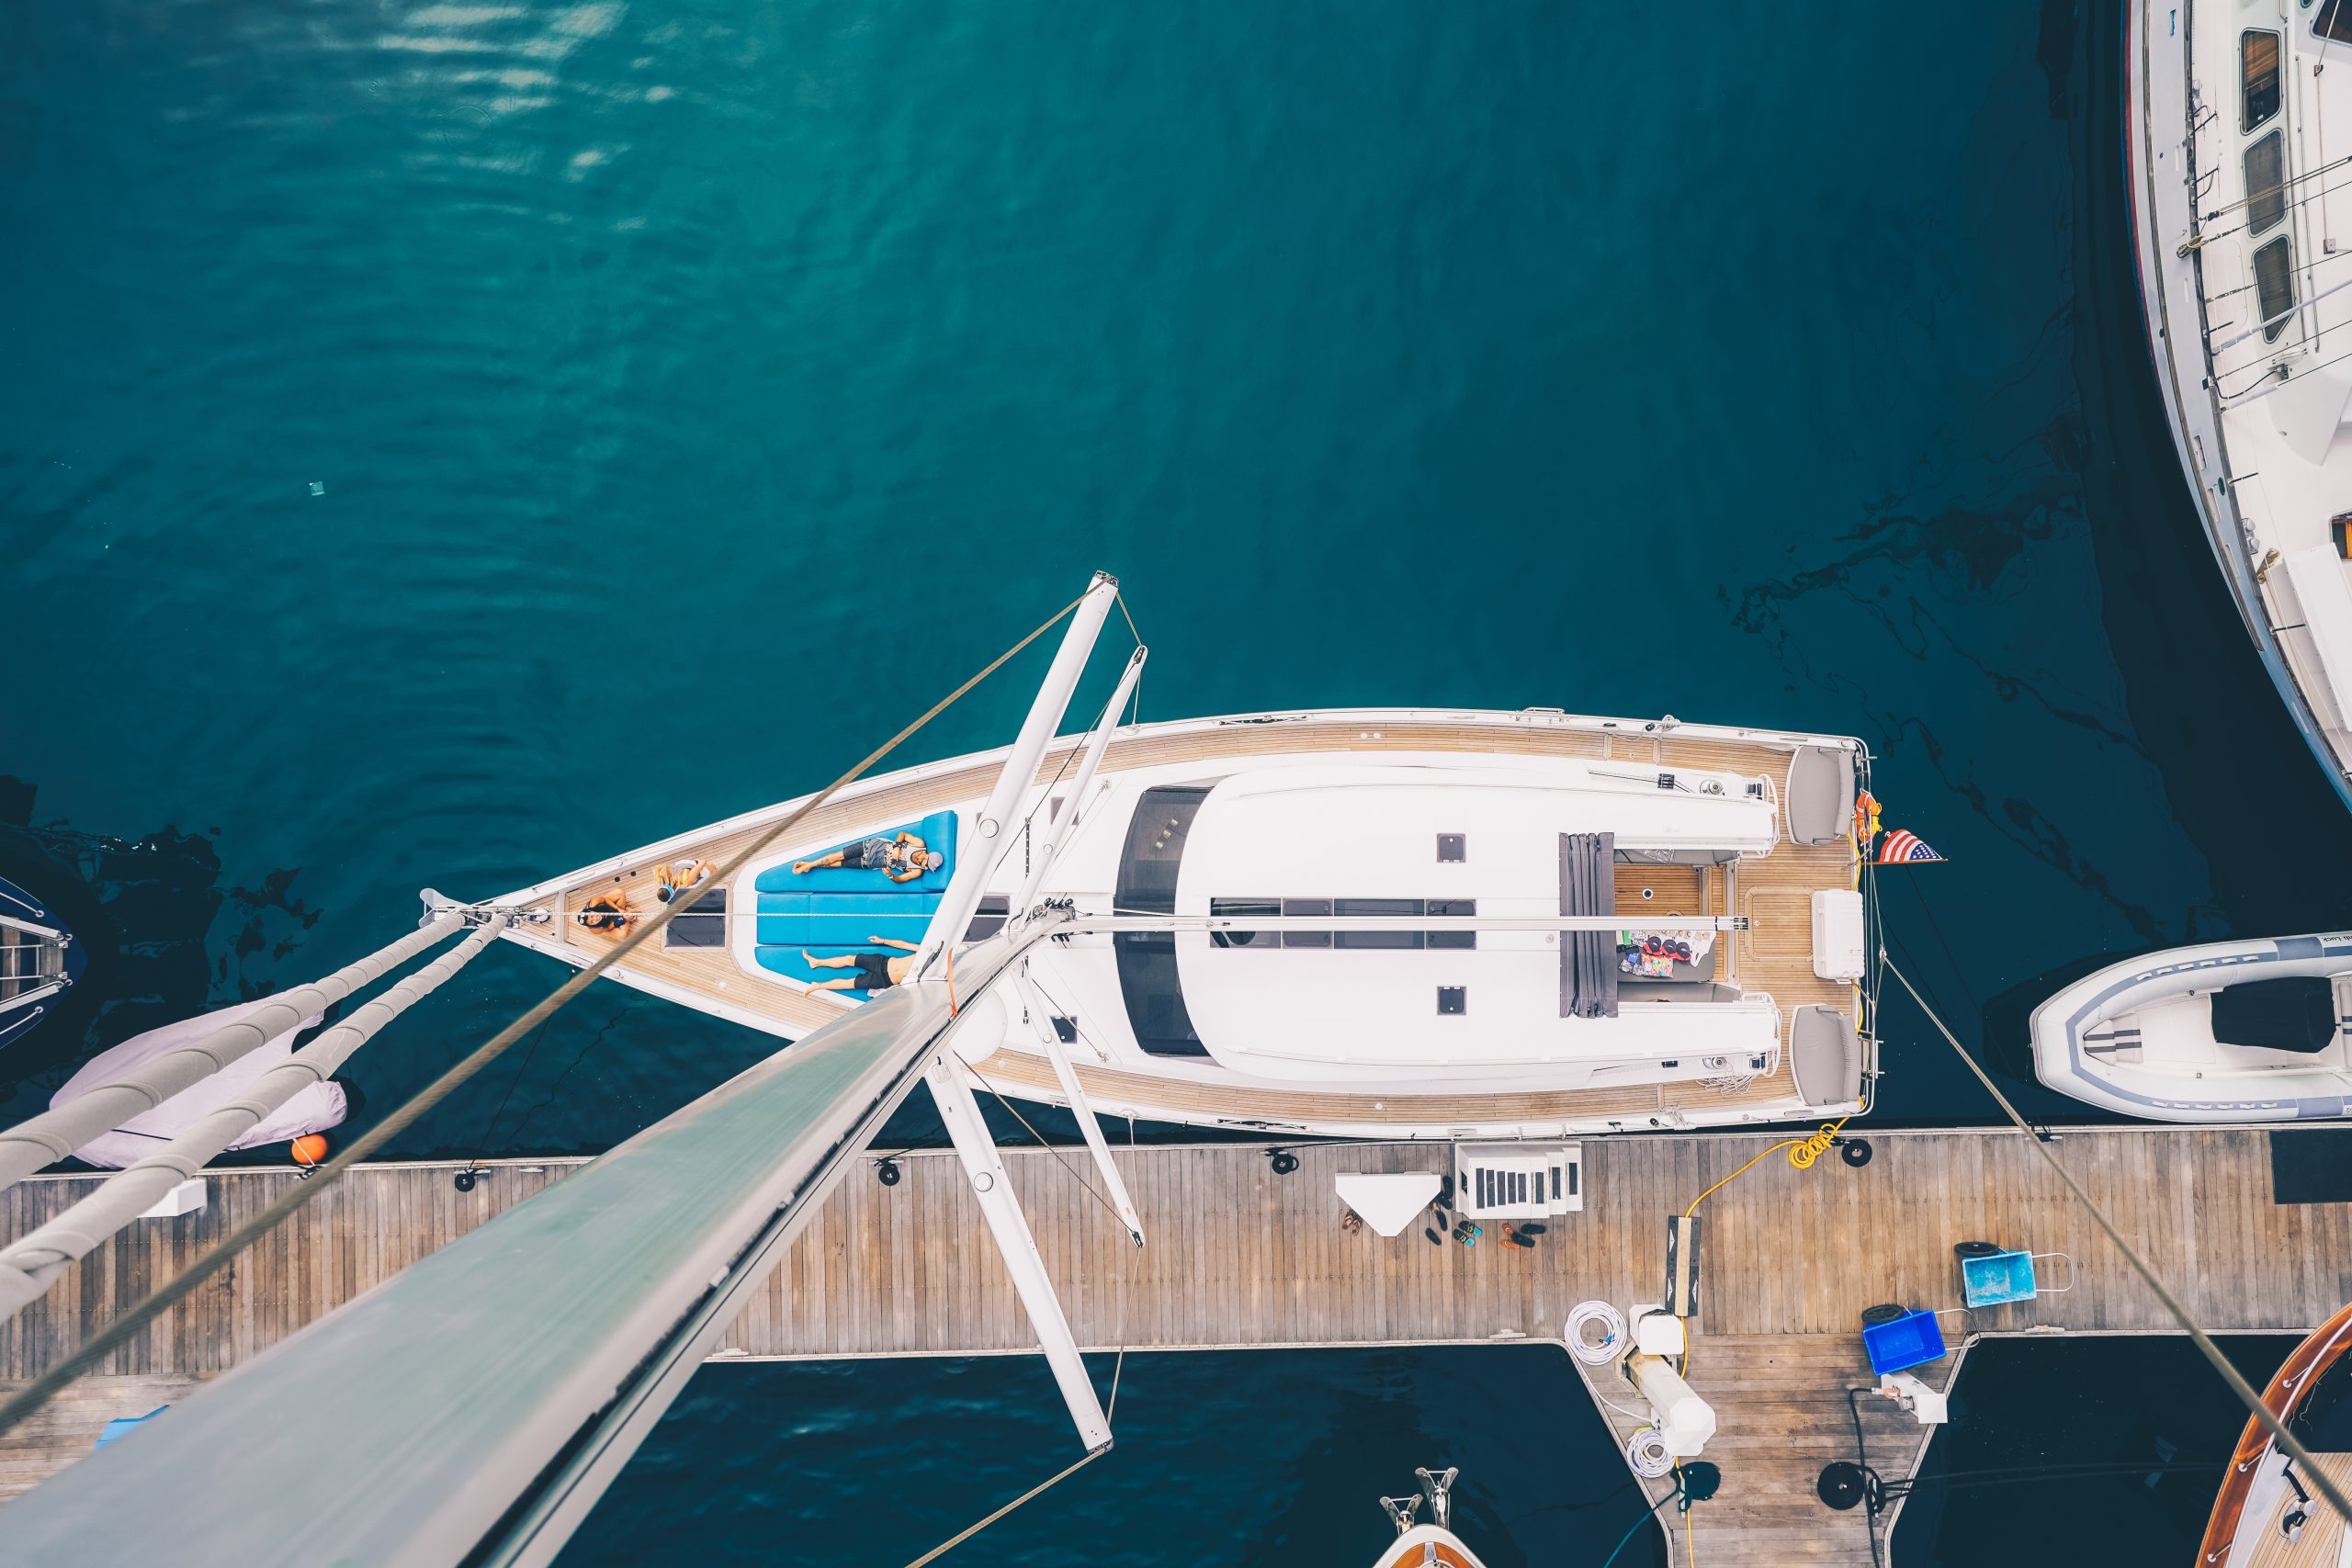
(1774, 891)
(1241, 1258)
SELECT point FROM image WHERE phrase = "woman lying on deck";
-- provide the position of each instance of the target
(901, 859)
(875, 971)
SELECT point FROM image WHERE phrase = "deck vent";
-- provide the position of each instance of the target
(1453, 849)
(1452, 1001)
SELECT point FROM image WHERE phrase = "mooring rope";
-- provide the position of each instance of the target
(37, 1392)
(952, 1542)
(2238, 1385)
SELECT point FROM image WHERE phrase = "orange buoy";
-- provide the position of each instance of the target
(310, 1148)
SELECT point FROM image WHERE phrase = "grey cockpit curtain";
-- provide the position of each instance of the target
(1587, 959)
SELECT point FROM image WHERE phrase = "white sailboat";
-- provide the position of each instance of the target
(1373, 923)
(1512, 863)
(2242, 275)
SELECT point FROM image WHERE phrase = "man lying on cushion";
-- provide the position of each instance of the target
(902, 858)
(875, 971)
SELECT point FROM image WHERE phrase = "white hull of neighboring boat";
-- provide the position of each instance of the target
(1330, 810)
(2258, 398)
(2138, 1038)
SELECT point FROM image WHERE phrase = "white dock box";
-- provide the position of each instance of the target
(1838, 934)
(1518, 1181)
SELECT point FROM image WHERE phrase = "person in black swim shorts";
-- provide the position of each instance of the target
(875, 971)
(902, 858)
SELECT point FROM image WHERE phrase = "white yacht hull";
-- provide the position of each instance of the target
(1768, 1041)
(2257, 410)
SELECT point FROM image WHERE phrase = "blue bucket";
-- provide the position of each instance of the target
(2002, 1278)
(1912, 1340)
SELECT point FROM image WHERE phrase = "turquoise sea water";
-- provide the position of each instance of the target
(441, 444)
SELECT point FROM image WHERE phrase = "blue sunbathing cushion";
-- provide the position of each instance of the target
(842, 919)
(937, 831)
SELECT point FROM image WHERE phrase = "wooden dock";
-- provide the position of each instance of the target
(1242, 1258)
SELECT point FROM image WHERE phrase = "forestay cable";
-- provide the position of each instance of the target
(37, 1392)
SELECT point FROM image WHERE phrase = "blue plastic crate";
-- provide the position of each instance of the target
(2003, 1277)
(1912, 1340)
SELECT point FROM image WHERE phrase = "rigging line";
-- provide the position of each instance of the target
(1134, 706)
(530, 1054)
(952, 1542)
(1049, 1148)
(2266, 194)
(1028, 822)
(95, 1350)
(1118, 1365)
(515, 1137)
(2204, 1343)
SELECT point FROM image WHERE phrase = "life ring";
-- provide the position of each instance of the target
(1645, 1450)
(1612, 1342)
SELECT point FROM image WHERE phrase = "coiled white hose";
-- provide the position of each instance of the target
(1645, 1451)
(1612, 1342)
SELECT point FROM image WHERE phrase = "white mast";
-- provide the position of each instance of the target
(1065, 1074)
(949, 1079)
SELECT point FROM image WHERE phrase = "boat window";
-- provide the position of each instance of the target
(1148, 982)
(1155, 851)
(2266, 182)
(2258, 71)
(1453, 907)
(1243, 908)
(2274, 284)
(1154, 993)
(1307, 907)
(1378, 907)
(2333, 22)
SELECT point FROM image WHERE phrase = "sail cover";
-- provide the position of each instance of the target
(315, 1110)
(1587, 959)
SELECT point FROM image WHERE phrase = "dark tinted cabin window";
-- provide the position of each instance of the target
(1155, 851)
(1243, 909)
(1378, 907)
(2259, 68)
(2274, 284)
(1453, 907)
(1147, 960)
(1307, 907)
(2266, 182)
(2333, 22)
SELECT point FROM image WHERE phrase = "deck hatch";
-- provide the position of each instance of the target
(1452, 1001)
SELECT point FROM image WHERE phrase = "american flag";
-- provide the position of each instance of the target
(1902, 848)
